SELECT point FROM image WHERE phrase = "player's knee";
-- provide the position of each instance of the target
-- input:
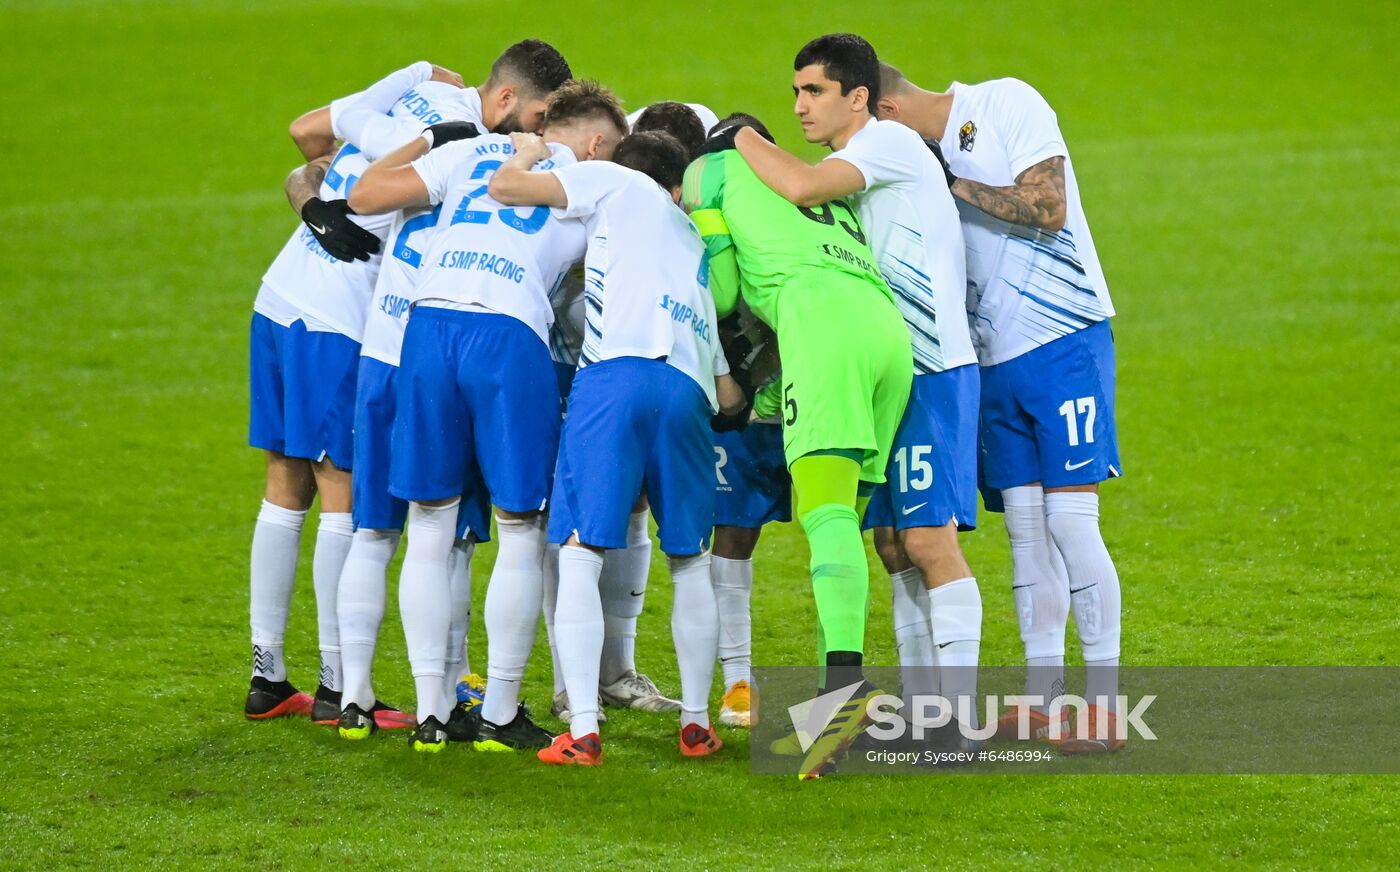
(333, 487)
(1072, 518)
(935, 550)
(290, 483)
(888, 548)
(679, 564)
(735, 543)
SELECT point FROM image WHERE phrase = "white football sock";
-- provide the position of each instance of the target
(1095, 594)
(913, 637)
(272, 572)
(955, 616)
(425, 603)
(360, 608)
(1040, 589)
(333, 533)
(733, 586)
(695, 630)
(623, 589)
(578, 625)
(550, 598)
(514, 597)
(460, 594)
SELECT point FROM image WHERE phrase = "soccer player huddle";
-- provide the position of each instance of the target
(516, 299)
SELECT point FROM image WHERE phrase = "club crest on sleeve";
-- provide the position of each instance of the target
(967, 136)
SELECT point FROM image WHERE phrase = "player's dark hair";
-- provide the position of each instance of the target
(846, 58)
(677, 119)
(531, 65)
(656, 153)
(584, 99)
(744, 119)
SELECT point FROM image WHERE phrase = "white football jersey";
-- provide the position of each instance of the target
(377, 128)
(708, 119)
(308, 280)
(912, 226)
(1025, 287)
(566, 336)
(504, 259)
(646, 275)
(394, 290)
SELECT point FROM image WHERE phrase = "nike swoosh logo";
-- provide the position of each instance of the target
(318, 228)
(911, 509)
(1071, 467)
(636, 593)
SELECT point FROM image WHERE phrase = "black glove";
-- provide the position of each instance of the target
(331, 224)
(450, 131)
(722, 423)
(942, 161)
(722, 140)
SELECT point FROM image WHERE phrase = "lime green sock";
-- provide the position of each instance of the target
(827, 486)
(840, 575)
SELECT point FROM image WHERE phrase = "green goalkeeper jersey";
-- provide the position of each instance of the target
(761, 242)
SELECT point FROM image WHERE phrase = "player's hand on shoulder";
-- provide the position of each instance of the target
(330, 223)
(530, 146)
(449, 131)
(720, 140)
(725, 138)
(443, 74)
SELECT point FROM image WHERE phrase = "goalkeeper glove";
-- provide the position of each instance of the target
(330, 223)
(722, 140)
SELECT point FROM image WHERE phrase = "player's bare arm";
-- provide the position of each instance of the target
(1036, 200)
(304, 182)
(730, 395)
(312, 133)
(792, 178)
(515, 185)
(443, 74)
(391, 182)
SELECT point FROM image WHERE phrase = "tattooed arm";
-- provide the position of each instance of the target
(304, 182)
(1036, 200)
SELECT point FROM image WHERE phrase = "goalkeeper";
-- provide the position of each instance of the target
(847, 369)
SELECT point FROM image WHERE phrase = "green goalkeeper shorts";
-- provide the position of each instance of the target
(846, 370)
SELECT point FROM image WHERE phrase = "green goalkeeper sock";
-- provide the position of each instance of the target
(840, 576)
(827, 486)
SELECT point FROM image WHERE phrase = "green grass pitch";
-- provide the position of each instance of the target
(1238, 165)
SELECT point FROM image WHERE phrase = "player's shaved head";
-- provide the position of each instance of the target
(587, 116)
(892, 81)
(656, 153)
(846, 58)
(533, 67)
(677, 119)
